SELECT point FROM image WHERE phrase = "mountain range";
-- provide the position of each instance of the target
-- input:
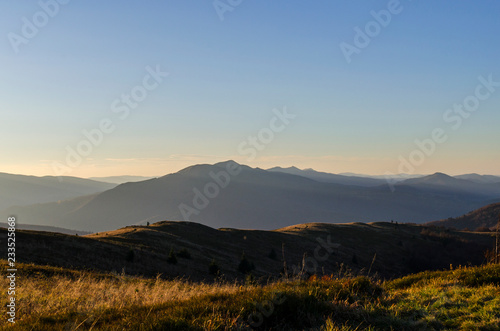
(20, 190)
(482, 179)
(227, 194)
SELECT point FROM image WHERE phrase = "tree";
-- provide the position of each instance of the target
(171, 259)
(245, 266)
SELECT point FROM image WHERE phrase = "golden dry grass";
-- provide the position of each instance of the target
(40, 295)
(60, 299)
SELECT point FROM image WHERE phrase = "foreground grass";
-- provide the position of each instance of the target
(60, 299)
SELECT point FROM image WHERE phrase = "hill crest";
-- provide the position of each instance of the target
(485, 217)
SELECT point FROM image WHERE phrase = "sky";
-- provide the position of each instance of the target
(103, 88)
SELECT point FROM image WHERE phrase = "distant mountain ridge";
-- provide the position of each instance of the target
(330, 178)
(120, 179)
(483, 179)
(442, 183)
(259, 199)
(345, 176)
(19, 190)
(397, 177)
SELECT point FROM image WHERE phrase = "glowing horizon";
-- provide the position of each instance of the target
(165, 167)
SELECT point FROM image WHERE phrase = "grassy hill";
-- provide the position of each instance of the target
(485, 217)
(50, 298)
(388, 250)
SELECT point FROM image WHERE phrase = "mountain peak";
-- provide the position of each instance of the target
(439, 175)
(281, 168)
(437, 178)
(225, 163)
(198, 169)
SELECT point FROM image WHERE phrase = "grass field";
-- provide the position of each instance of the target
(50, 298)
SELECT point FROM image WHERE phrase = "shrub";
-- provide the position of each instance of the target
(171, 259)
(354, 259)
(272, 254)
(184, 253)
(245, 266)
(130, 256)
(213, 268)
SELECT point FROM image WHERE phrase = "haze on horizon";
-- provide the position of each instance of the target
(212, 85)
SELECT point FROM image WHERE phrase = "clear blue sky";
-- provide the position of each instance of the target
(226, 77)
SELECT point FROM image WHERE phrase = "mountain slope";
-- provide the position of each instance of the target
(18, 190)
(487, 216)
(249, 198)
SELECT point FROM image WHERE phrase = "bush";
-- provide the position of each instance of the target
(354, 259)
(213, 268)
(245, 266)
(171, 259)
(130, 256)
(272, 254)
(184, 254)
